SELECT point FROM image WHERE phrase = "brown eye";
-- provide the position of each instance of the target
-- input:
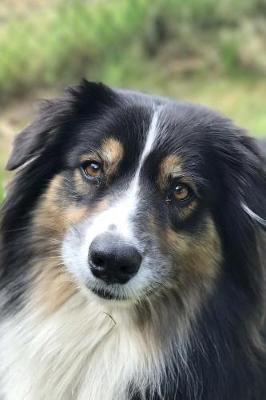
(92, 169)
(182, 192)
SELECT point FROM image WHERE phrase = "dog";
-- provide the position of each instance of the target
(133, 253)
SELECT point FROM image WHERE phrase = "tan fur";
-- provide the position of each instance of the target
(197, 256)
(186, 211)
(110, 153)
(53, 217)
(55, 213)
(53, 286)
(81, 186)
(170, 166)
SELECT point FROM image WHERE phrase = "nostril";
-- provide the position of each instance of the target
(127, 268)
(98, 260)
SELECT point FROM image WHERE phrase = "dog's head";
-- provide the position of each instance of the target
(132, 196)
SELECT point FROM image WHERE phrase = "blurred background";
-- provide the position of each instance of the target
(206, 51)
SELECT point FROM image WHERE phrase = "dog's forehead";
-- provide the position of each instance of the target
(170, 125)
(154, 128)
(127, 124)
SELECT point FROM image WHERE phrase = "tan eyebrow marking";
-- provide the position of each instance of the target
(170, 166)
(110, 153)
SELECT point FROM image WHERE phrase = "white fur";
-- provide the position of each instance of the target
(120, 213)
(77, 241)
(84, 351)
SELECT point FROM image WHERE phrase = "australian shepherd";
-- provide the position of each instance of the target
(133, 253)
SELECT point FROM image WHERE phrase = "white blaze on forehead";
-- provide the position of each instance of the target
(152, 134)
(119, 214)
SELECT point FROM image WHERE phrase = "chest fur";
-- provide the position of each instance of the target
(79, 353)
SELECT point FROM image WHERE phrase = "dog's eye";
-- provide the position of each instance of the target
(92, 169)
(182, 192)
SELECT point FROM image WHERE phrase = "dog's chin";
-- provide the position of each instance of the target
(120, 293)
(107, 293)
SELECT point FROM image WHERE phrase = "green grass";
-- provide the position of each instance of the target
(59, 44)
(62, 43)
(204, 51)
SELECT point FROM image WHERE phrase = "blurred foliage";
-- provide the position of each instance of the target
(207, 51)
(47, 43)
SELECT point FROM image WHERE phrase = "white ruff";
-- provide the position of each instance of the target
(78, 353)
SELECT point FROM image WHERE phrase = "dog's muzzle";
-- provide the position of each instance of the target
(113, 260)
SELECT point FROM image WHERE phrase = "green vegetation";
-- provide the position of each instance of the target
(112, 40)
(199, 50)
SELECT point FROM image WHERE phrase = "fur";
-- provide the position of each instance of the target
(190, 325)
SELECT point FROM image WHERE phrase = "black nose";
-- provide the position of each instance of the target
(113, 260)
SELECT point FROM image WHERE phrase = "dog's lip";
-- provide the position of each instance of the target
(106, 294)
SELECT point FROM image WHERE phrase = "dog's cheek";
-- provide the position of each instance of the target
(196, 257)
(55, 214)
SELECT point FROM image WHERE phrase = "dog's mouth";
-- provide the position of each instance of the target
(107, 294)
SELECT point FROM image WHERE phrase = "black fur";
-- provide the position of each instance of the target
(226, 355)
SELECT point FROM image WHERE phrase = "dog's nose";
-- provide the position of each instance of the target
(113, 260)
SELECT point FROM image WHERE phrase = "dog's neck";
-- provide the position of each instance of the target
(93, 350)
(86, 350)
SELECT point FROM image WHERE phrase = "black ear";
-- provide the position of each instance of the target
(32, 141)
(254, 181)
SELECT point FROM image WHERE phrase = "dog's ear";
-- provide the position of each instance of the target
(254, 181)
(242, 168)
(32, 141)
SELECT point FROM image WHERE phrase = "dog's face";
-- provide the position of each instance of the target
(146, 222)
(134, 196)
